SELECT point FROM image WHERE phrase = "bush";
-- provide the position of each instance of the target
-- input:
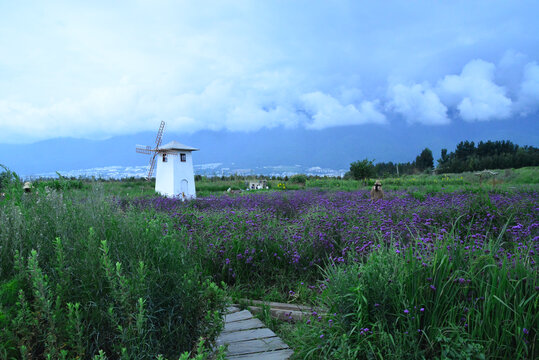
(362, 170)
(7, 178)
(89, 278)
(299, 179)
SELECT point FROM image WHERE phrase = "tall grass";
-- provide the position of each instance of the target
(422, 274)
(395, 306)
(80, 277)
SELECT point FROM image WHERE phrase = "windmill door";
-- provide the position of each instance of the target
(184, 187)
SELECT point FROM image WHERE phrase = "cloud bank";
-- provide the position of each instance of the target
(102, 70)
(474, 93)
(418, 104)
(240, 106)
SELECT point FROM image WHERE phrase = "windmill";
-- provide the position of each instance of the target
(173, 164)
(141, 149)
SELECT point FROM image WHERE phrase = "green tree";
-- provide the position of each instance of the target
(362, 170)
(7, 178)
(465, 149)
(299, 179)
(425, 160)
(444, 158)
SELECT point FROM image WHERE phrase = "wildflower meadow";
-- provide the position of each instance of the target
(419, 274)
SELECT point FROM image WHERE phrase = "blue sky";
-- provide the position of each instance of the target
(99, 69)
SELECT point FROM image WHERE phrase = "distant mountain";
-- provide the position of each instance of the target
(213, 169)
(333, 148)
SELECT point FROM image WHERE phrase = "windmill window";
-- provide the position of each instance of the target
(164, 157)
(183, 158)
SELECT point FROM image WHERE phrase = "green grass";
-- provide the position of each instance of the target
(506, 180)
(81, 277)
(395, 307)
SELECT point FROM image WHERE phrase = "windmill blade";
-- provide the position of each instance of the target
(152, 166)
(143, 149)
(159, 137)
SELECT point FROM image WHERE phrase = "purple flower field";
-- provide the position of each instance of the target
(440, 273)
(268, 233)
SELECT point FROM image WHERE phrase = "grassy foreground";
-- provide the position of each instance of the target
(92, 269)
(80, 278)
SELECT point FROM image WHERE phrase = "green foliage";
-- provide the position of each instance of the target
(487, 155)
(395, 306)
(8, 179)
(61, 184)
(80, 278)
(362, 170)
(299, 179)
(425, 160)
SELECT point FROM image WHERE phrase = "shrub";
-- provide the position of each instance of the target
(92, 278)
(362, 170)
(299, 179)
(7, 178)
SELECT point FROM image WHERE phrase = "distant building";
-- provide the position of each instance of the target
(257, 184)
(175, 176)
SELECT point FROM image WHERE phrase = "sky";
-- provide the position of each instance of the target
(99, 69)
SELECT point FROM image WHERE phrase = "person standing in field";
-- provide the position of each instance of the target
(376, 192)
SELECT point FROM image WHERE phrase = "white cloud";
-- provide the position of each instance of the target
(474, 93)
(418, 104)
(326, 111)
(99, 70)
(103, 111)
(528, 97)
(510, 70)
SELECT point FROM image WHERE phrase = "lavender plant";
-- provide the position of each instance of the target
(421, 273)
(450, 268)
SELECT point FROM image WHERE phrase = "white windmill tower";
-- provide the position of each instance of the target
(175, 176)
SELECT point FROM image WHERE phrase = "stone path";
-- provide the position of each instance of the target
(281, 311)
(248, 339)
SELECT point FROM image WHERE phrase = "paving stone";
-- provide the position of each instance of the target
(251, 334)
(252, 323)
(237, 316)
(270, 355)
(232, 309)
(256, 346)
(247, 338)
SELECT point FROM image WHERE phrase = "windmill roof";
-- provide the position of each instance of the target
(174, 145)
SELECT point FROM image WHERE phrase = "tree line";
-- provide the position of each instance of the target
(466, 157)
(487, 155)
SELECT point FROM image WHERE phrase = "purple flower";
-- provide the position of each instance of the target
(422, 309)
(406, 311)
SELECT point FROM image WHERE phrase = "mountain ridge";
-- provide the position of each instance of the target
(333, 148)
